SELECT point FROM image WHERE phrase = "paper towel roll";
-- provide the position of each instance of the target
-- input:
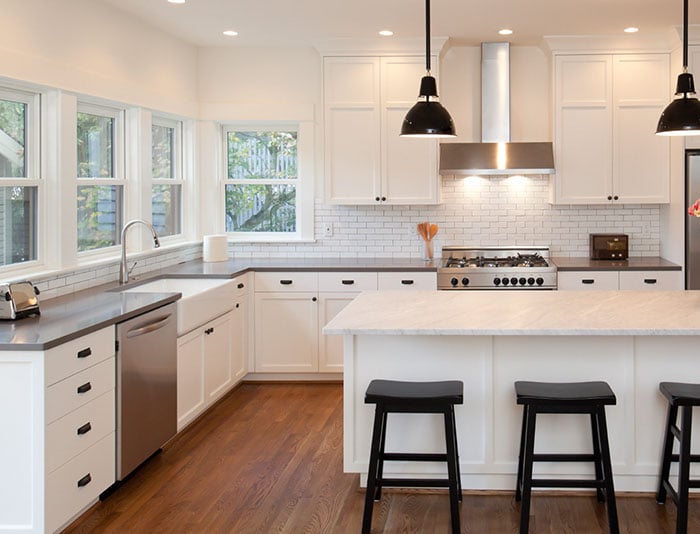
(215, 248)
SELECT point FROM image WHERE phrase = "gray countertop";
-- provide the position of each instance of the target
(647, 263)
(71, 316)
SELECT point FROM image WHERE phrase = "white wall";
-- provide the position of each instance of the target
(94, 49)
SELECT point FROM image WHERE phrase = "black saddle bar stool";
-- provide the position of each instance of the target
(392, 396)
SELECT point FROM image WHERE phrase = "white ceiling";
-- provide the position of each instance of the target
(308, 22)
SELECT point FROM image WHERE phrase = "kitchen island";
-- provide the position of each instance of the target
(489, 339)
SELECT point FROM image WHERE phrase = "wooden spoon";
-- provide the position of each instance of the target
(433, 231)
(421, 230)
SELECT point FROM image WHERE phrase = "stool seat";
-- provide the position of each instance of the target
(681, 394)
(449, 391)
(559, 393)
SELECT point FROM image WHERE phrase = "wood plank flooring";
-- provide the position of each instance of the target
(268, 458)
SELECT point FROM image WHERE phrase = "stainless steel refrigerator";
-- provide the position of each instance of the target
(692, 224)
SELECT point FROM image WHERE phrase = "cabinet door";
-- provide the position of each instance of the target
(286, 332)
(352, 117)
(217, 357)
(583, 126)
(239, 339)
(587, 280)
(642, 161)
(190, 377)
(330, 353)
(409, 165)
(651, 280)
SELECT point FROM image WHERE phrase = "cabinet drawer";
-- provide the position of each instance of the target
(588, 280)
(73, 433)
(651, 280)
(286, 281)
(73, 486)
(347, 281)
(78, 354)
(79, 389)
(407, 280)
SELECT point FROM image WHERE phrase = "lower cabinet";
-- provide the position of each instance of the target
(330, 354)
(624, 280)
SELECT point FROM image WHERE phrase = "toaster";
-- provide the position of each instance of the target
(18, 299)
(609, 246)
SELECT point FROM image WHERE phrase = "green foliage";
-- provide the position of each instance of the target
(95, 149)
(13, 123)
(99, 214)
(162, 155)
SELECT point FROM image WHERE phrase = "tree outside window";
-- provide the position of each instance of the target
(166, 163)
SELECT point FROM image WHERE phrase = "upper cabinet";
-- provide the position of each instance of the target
(606, 110)
(366, 162)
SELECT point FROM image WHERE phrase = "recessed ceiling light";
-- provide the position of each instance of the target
(505, 31)
(386, 33)
(177, 1)
(230, 33)
(631, 29)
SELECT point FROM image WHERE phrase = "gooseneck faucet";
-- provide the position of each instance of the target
(123, 270)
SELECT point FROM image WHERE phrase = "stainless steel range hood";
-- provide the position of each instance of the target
(496, 155)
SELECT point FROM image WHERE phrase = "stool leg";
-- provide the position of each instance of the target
(607, 471)
(459, 476)
(684, 470)
(372, 470)
(597, 459)
(667, 452)
(450, 441)
(526, 459)
(519, 476)
(380, 459)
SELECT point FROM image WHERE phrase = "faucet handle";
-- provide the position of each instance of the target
(131, 268)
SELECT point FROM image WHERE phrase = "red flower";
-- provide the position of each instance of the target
(695, 209)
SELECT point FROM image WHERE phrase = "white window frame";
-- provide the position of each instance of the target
(304, 182)
(32, 144)
(118, 164)
(178, 171)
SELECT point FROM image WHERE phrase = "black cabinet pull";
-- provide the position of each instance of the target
(87, 427)
(314, 299)
(609, 197)
(616, 197)
(650, 280)
(237, 305)
(87, 386)
(240, 286)
(84, 353)
(376, 198)
(84, 481)
(209, 331)
(407, 282)
(348, 282)
(588, 281)
(383, 199)
(286, 282)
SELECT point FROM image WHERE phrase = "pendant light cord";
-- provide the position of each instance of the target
(427, 33)
(685, 35)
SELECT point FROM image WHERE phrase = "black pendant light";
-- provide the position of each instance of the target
(428, 118)
(682, 116)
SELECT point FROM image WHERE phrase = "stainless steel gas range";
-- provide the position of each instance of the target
(496, 268)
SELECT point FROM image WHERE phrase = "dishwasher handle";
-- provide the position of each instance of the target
(150, 327)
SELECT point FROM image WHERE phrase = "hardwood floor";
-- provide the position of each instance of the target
(268, 458)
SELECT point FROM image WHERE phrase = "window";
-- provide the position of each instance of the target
(166, 193)
(100, 183)
(19, 176)
(262, 181)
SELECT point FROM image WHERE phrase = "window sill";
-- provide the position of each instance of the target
(252, 240)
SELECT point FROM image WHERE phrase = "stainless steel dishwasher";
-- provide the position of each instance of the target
(146, 386)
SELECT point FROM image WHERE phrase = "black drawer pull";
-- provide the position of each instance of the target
(209, 331)
(87, 427)
(407, 282)
(84, 481)
(237, 305)
(588, 281)
(347, 282)
(650, 280)
(241, 286)
(84, 353)
(286, 282)
(87, 386)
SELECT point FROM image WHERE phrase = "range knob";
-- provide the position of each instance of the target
(454, 282)
(514, 281)
(531, 281)
(505, 281)
(540, 281)
(465, 281)
(522, 281)
(497, 281)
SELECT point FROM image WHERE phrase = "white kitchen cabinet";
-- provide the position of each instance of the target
(606, 110)
(416, 280)
(58, 449)
(239, 337)
(366, 162)
(624, 280)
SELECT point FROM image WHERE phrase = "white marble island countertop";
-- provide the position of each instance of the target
(598, 313)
